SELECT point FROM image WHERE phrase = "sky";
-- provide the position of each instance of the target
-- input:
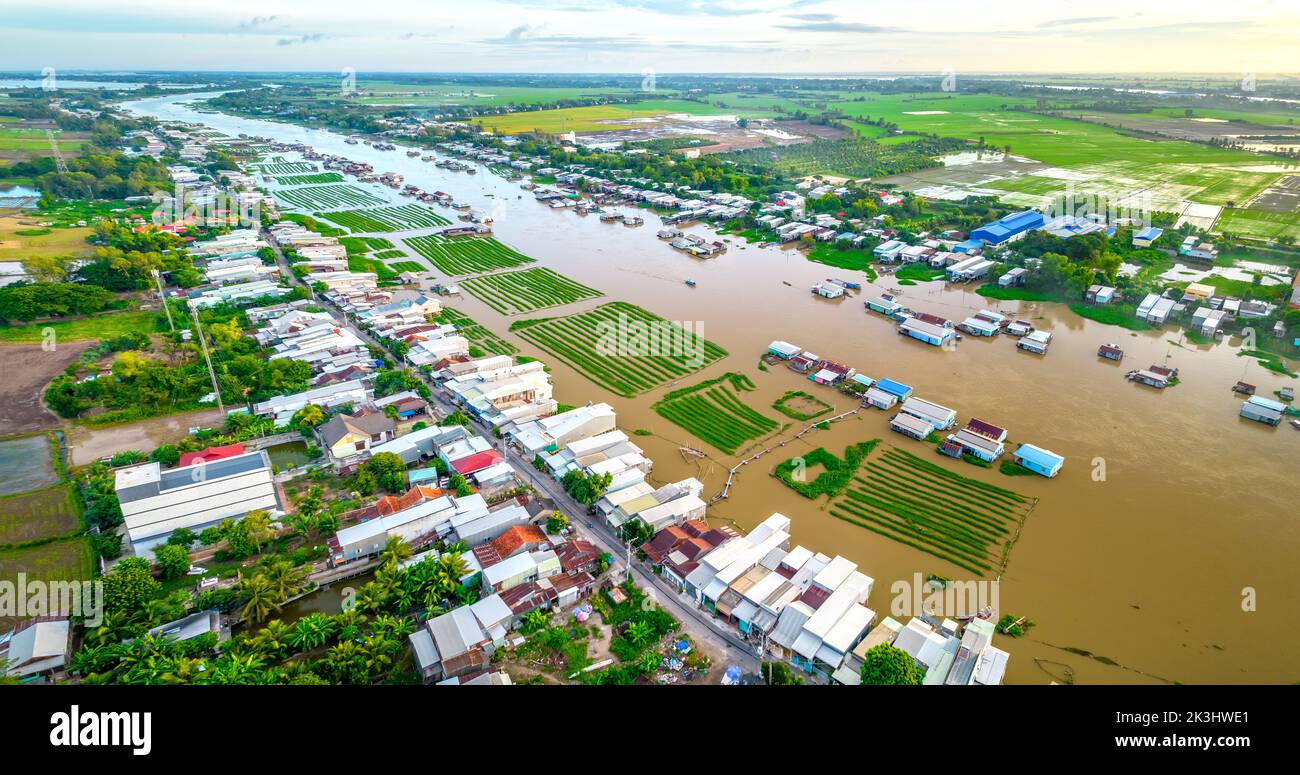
(664, 36)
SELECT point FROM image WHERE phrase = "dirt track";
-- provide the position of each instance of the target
(26, 370)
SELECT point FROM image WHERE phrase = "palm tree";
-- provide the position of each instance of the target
(258, 525)
(395, 551)
(287, 578)
(273, 638)
(312, 631)
(263, 598)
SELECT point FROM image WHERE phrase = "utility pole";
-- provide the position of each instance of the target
(203, 343)
(157, 278)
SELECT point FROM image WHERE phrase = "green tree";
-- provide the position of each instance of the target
(388, 469)
(885, 665)
(556, 522)
(780, 674)
(263, 598)
(129, 585)
(173, 560)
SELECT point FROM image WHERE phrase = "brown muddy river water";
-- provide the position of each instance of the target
(1170, 510)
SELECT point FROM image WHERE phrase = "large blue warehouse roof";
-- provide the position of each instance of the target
(1009, 226)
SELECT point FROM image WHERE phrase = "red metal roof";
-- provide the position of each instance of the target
(476, 462)
(211, 453)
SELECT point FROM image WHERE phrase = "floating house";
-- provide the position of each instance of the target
(884, 305)
(979, 325)
(784, 350)
(828, 290)
(804, 361)
(1038, 460)
(1111, 352)
(897, 389)
(911, 426)
(939, 418)
(1156, 378)
(980, 439)
(879, 398)
(926, 332)
(1263, 410)
(1019, 327)
(1035, 342)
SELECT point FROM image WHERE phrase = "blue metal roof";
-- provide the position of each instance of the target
(1039, 456)
(1009, 226)
(892, 387)
(1149, 233)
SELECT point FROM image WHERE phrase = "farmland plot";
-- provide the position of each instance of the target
(476, 333)
(713, 411)
(322, 197)
(385, 219)
(309, 180)
(466, 255)
(284, 167)
(622, 347)
(513, 292)
(923, 505)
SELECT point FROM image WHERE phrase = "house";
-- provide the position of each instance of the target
(938, 417)
(1035, 342)
(888, 251)
(828, 290)
(879, 398)
(884, 305)
(1206, 321)
(1110, 352)
(1202, 251)
(1263, 410)
(897, 389)
(348, 438)
(1156, 376)
(1100, 294)
(451, 645)
(1147, 237)
(37, 647)
(926, 332)
(980, 325)
(156, 502)
(784, 350)
(1198, 292)
(1038, 460)
(1009, 228)
(192, 626)
(908, 425)
(1014, 276)
(980, 439)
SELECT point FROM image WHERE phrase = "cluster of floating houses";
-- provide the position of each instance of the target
(939, 331)
(916, 417)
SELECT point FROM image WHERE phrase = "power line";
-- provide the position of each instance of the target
(203, 343)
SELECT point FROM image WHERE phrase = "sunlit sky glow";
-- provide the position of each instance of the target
(767, 36)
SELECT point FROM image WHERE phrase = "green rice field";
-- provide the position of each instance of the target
(284, 167)
(309, 180)
(40, 514)
(476, 333)
(923, 505)
(66, 559)
(511, 293)
(834, 473)
(713, 411)
(322, 197)
(1259, 223)
(384, 219)
(622, 347)
(466, 255)
(401, 266)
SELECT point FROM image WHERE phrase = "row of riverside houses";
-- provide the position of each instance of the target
(809, 609)
(916, 417)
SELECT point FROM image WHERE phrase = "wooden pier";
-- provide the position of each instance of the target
(731, 473)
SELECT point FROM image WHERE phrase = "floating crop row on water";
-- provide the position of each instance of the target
(284, 168)
(383, 219)
(476, 333)
(466, 255)
(309, 180)
(400, 266)
(321, 197)
(834, 476)
(528, 289)
(713, 412)
(801, 406)
(921, 504)
(622, 347)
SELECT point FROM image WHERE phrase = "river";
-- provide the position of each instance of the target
(1169, 513)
